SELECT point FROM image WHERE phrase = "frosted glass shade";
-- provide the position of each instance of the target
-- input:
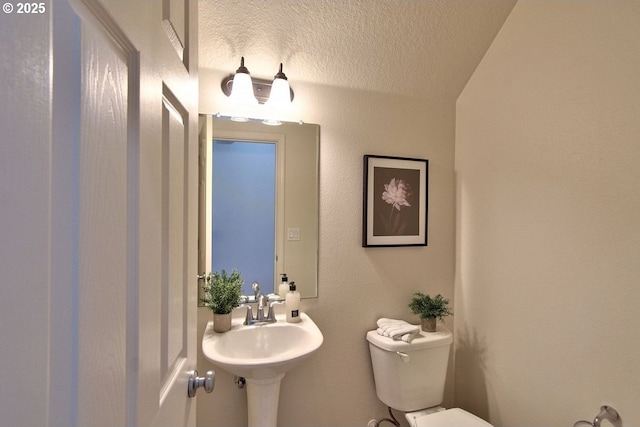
(242, 90)
(280, 96)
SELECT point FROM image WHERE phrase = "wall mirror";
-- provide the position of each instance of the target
(259, 202)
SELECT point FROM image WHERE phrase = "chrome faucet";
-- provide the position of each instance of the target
(263, 302)
(255, 286)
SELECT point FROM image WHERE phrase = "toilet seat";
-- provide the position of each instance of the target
(454, 417)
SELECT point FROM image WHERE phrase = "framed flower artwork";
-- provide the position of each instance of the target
(395, 201)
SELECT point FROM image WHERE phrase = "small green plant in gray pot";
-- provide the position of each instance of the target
(429, 309)
(221, 293)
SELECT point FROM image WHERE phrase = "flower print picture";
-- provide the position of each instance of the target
(395, 215)
(395, 195)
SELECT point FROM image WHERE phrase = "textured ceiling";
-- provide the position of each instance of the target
(419, 48)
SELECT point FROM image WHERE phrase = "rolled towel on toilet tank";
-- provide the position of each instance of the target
(397, 329)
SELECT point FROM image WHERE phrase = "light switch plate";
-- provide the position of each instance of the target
(293, 234)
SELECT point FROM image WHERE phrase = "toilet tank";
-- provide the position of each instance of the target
(410, 376)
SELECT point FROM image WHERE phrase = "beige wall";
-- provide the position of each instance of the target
(356, 285)
(548, 218)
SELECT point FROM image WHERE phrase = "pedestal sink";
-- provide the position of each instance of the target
(262, 354)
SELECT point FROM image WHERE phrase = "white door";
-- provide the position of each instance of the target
(99, 213)
(137, 218)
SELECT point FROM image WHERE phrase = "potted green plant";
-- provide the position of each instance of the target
(429, 309)
(221, 293)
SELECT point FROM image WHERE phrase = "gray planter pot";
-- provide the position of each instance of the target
(428, 324)
(221, 322)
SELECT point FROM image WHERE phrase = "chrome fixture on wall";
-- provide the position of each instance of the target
(244, 89)
(606, 413)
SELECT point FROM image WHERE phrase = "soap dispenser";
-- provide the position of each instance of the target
(292, 303)
(284, 286)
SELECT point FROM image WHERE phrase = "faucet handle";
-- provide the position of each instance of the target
(271, 315)
(249, 317)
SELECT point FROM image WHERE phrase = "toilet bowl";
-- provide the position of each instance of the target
(410, 377)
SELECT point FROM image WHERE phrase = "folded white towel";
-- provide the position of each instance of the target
(398, 330)
(383, 321)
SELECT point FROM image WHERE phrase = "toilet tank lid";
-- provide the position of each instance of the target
(451, 417)
(441, 337)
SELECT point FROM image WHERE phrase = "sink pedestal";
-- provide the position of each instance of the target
(262, 355)
(262, 401)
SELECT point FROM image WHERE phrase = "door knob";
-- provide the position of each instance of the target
(195, 382)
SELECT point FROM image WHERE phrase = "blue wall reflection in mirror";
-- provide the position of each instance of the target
(244, 213)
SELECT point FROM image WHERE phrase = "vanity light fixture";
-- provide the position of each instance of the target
(280, 96)
(276, 95)
(242, 88)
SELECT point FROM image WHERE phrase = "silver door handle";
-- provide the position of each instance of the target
(195, 382)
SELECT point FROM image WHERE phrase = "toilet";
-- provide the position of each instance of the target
(410, 378)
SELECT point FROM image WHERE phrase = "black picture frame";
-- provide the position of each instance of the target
(395, 201)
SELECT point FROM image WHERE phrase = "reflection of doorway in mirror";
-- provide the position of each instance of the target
(296, 201)
(244, 210)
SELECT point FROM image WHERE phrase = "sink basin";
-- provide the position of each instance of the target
(262, 354)
(262, 351)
